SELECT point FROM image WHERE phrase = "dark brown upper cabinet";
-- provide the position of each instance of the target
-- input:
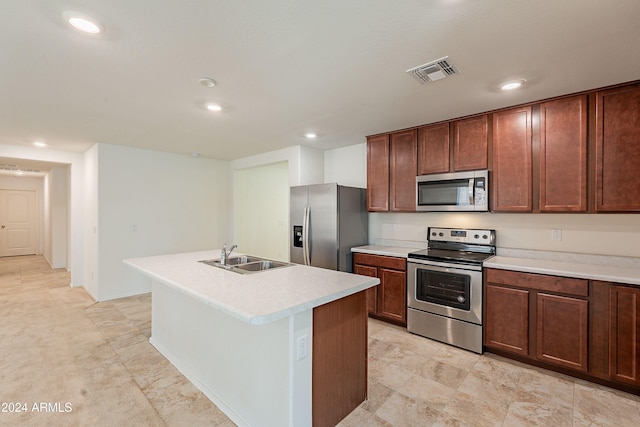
(563, 155)
(618, 149)
(433, 149)
(403, 164)
(512, 170)
(470, 144)
(378, 173)
(576, 153)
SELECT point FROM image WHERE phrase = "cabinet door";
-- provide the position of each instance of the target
(507, 319)
(378, 173)
(392, 297)
(403, 170)
(624, 354)
(512, 160)
(563, 155)
(561, 331)
(433, 149)
(470, 149)
(372, 293)
(618, 149)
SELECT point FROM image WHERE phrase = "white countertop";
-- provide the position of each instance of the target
(257, 298)
(395, 251)
(609, 273)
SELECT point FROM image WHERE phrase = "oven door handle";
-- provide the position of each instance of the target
(445, 267)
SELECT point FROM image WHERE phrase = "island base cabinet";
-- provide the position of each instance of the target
(339, 370)
(309, 368)
(248, 371)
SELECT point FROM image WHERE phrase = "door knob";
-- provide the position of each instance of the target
(3, 226)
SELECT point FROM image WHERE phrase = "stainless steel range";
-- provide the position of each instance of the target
(444, 286)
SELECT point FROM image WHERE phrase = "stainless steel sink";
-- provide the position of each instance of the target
(246, 264)
(261, 265)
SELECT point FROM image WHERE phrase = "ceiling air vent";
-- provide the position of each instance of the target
(434, 70)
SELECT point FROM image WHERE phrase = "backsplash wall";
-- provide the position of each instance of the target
(598, 234)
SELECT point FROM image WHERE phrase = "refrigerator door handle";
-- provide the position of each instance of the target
(305, 235)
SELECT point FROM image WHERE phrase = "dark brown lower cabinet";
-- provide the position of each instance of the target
(523, 318)
(561, 331)
(589, 329)
(507, 319)
(624, 354)
(388, 300)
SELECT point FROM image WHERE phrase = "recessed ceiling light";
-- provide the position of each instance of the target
(310, 135)
(82, 22)
(213, 107)
(511, 84)
(207, 82)
(39, 144)
(19, 172)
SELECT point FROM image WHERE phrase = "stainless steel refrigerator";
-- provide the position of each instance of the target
(326, 221)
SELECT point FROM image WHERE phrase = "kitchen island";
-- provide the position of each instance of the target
(282, 347)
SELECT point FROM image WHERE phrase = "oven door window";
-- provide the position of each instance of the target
(448, 289)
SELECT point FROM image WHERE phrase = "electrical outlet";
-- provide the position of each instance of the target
(301, 349)
(556, 235)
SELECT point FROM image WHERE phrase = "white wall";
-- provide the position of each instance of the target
(75, 258)
(261, 211)
(90, 221)
(46, 218)
(306, 165)
(311, 166)
(58, 216)
(345, 166)
(153, 203)
(601, 234)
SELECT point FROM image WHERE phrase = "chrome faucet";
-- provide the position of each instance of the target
(224, 255)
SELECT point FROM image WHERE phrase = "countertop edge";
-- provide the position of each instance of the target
(617, 274)
(392, 251)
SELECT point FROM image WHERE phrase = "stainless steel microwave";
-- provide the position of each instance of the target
(458, 191)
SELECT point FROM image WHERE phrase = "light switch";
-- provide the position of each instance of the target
(301, 347)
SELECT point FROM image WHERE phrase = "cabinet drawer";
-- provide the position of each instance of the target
(380, 261)
(540, 282)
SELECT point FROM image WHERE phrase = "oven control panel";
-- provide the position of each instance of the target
(462, 235)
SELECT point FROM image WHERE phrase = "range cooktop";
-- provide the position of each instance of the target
(470, 246)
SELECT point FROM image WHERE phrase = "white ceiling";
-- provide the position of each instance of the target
(286, 67)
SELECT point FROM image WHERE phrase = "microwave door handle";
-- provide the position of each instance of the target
(471, 188)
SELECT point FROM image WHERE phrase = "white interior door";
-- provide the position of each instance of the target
(18, 224)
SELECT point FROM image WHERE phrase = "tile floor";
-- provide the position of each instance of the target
(74, 362)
